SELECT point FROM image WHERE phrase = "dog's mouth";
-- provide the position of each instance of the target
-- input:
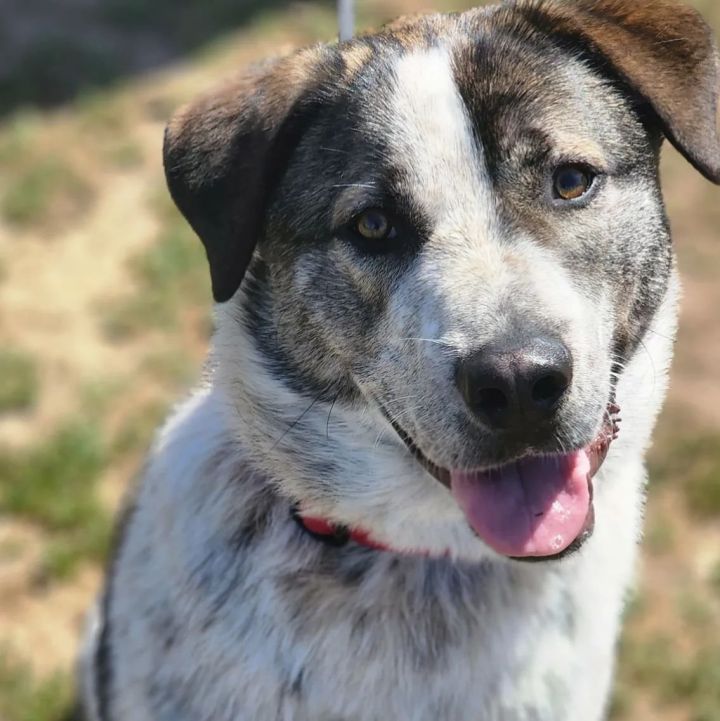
(538, 507)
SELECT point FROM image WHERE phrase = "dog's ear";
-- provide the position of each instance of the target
(224, 152)
(661, 48)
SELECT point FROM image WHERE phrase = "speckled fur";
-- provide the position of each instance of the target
(218, 607)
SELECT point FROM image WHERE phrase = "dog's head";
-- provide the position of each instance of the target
(456, 243)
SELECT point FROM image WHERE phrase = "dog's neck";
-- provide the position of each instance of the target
(338, 536)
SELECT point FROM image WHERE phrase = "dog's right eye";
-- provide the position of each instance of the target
(572, 182)
(374, 225)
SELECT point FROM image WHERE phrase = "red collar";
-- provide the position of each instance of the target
(333, 534)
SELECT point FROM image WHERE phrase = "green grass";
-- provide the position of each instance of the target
(19, 383)
(99, 396)
(16, 138)
(715, 578)
(23, 698)
(137, 432)
(171, 276)
(123, 154)
(695, 612)
(657, 665)
(64, 552)
(659, 536)
(101, 113)
(172, 260)
(660, 665)
(694, 464)
(170, 368)
(697, 681)
(108, 121)
(54, 486)
(46, 191)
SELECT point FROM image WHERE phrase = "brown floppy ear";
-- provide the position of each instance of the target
(224, 152)
(661, 48)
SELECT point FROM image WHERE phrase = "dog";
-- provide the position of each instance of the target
(443, 273)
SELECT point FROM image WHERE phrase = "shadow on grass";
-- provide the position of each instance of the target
(51, 52)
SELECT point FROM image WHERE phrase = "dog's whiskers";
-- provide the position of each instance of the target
(436, 341)
(327, 423)
(299, 418)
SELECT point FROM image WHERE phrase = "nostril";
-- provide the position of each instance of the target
(492, 401)
(549, 389)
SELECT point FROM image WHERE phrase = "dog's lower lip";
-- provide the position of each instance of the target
(597, 452)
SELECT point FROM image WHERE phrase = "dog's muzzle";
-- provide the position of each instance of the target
(536, 507)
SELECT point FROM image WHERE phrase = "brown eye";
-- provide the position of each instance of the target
(572, 182)
(374, 225)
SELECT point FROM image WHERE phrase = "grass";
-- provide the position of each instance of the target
(695, 460)
(48, 190)
(100, 395)
(23, 698)
(715, 579)
(17, 138)
(19, 385)
(694, 611)
(136, 433)
(678, 668)
(171, 276)
(64, 552)
(54, 486)
(169, 368)
(101, 113)
(123, 154)
(659, 536)
(45, 176)
(51, 484)
(108, 120)
(657, 665)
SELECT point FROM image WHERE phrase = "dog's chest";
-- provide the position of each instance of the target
(352, 640)
(506, 652)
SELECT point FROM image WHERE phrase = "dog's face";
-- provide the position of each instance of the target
(459, 238)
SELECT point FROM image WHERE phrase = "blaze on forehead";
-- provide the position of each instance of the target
(477, 91)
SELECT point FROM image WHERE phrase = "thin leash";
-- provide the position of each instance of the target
(346, 19)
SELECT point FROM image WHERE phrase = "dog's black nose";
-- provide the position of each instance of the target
(516, 387)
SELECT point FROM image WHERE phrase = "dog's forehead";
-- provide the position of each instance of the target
(441, 98)
(481, 72)
(430, 116)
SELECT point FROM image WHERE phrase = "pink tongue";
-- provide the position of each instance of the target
(533, 507)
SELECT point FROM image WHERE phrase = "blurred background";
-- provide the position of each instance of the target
(105, 320)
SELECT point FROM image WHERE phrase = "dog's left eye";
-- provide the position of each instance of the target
(571, 182)
(374, 225)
